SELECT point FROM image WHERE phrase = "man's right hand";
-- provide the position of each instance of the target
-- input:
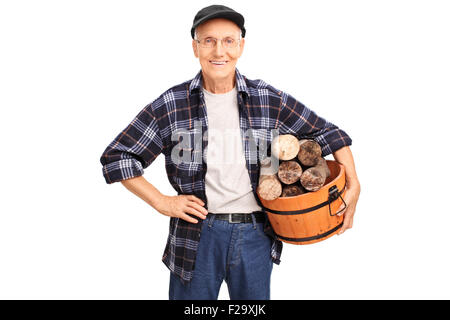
(179, 207)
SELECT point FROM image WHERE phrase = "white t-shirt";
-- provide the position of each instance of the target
(227, 180)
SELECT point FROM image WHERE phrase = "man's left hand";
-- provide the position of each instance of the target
(350, 198)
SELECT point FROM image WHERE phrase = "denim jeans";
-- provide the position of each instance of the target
(238, 253)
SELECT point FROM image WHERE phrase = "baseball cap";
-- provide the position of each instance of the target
(217, 11)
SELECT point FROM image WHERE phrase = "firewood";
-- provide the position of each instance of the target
(285, 147)
(269, 187)
(301, 168)
(314, 178)
(289, 172)
(309, 152)
(292, 190)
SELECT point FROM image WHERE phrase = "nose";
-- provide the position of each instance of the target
(218, 49)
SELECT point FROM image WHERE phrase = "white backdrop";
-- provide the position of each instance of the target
(73, 74)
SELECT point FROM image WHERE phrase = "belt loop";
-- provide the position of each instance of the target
(254, 220)
(211, 220)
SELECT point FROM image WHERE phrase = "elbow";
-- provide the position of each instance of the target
(117, 168)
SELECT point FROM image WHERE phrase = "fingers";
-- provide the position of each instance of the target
(194, 206)
(187, 218)
(341, 207)
(197, 200)
(343, 228)
(348, 213)
(186, 205)
(195, 212)
(348, 222)
(199, 208)
(341, 212)
(350, 225)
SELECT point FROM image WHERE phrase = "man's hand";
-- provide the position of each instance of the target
(172, 206)
(350, 198)
(344, 156)
(179, 206)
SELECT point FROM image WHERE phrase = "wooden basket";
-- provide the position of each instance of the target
(309, 217)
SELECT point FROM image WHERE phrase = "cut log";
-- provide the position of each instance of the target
(289, 172)
(285, 147)
(269, 187)
(309, 152)
(314, 178)
(292, 190)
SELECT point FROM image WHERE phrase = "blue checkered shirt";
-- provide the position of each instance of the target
(261, 108)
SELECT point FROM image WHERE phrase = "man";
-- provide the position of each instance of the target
(218, 230)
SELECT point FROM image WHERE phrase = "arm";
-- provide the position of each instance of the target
(305, 123)
(133, 150)
(144, 190)
(344, 156)
(295, 118)
(172, 206)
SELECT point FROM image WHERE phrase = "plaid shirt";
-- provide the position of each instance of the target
(261, 108)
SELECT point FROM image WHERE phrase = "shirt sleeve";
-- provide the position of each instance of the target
(134, 149)
(298, 119)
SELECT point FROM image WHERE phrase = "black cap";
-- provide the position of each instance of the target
(217, 11)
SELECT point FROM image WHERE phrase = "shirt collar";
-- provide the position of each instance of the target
(241, 86)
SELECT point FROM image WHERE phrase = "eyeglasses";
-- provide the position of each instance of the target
(210, 42)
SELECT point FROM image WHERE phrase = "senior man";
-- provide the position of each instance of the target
(218, 229)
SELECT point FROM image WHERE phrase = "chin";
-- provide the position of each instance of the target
(219, 72)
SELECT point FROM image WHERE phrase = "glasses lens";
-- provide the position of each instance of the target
(211, 42)
(208, 42)
(229, 42)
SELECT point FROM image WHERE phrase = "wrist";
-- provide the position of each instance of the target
(157, 201)
(353, 183)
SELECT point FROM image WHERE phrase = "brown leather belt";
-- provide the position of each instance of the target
(240, 217)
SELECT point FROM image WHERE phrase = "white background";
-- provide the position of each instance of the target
(73, 74)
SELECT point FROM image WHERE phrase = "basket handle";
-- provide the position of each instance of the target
(333, 194)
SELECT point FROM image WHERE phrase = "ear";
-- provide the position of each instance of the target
(195, 48)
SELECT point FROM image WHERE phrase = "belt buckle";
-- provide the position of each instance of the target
(230, 219)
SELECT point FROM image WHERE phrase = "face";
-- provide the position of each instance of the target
(219, 29)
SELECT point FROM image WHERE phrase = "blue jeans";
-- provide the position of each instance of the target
(238, 253)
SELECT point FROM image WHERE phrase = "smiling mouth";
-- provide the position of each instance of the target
(218, 63)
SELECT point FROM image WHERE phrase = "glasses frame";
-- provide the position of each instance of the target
(238, 41)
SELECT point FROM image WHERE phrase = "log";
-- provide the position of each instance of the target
(269, 187)
(314, 178)
(285, 147)
(309, 152)
(323, 163)
(289, 172)
(292, 190)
